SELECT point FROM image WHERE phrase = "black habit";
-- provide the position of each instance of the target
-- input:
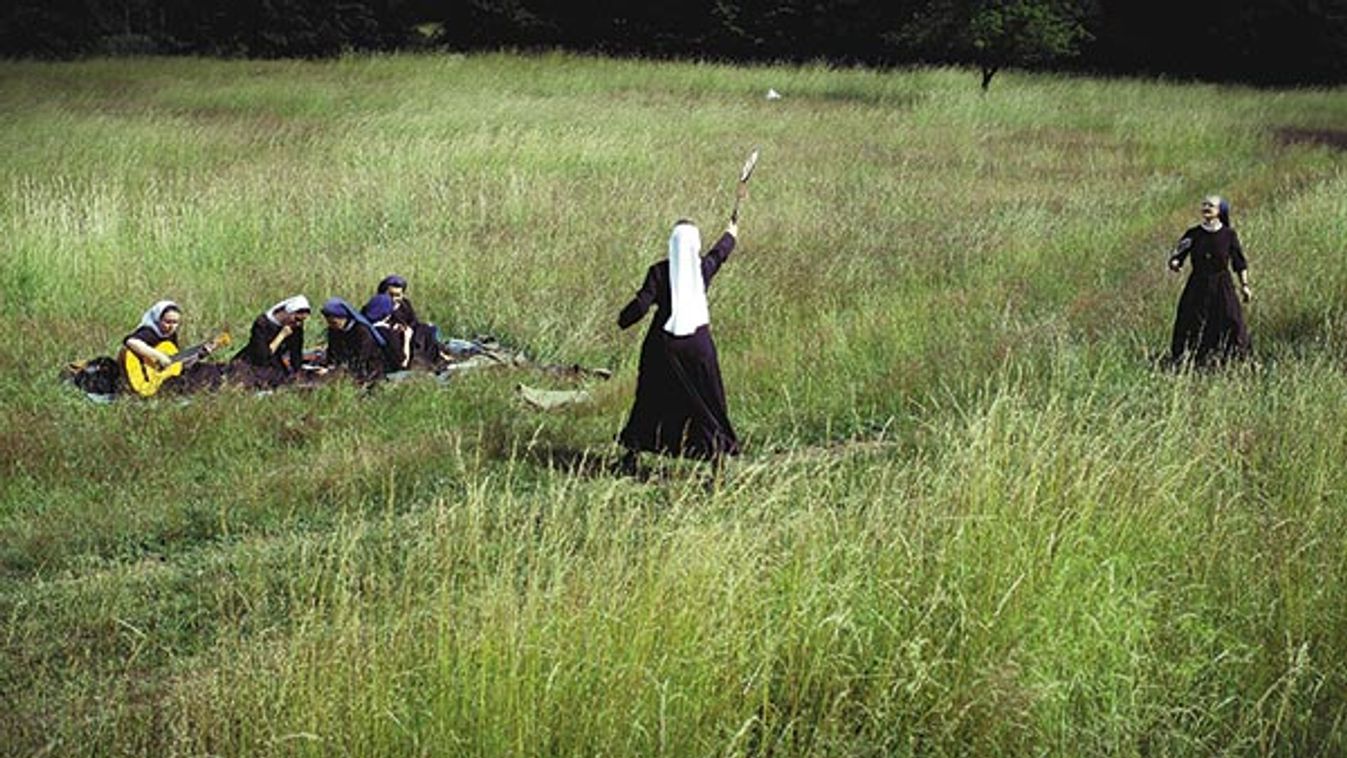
(680, 398)
(261, 367)
(150, 337)
(355, 349)
(1209, 324)
(425, 344)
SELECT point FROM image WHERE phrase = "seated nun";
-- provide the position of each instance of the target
(274, 353)
(422, 339)
(353, 343)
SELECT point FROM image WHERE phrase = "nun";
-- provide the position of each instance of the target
(680, 399)
(275, 350)
(1209, 326)
(157, 325)
(160, 326)
(397, 339)
(422, 339)
(352, 342)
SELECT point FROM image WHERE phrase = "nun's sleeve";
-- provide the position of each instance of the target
(716, 256)
(641, 303)
(295, 349)
(256, 352)
(394, 355)
(1182, 249)
(1237, 260)
(367, 360)
(146, 334)
(408, 315)
(336, 352)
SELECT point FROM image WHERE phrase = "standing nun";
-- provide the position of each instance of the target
(1209, 326)
(680, 399)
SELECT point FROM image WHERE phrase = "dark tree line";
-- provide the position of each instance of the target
(242, 28)
(1266, 41)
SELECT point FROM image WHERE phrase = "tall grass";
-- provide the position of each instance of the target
(972, 517)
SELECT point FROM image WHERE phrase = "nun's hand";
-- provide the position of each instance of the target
(732, 229)
(1175, 264)
(1246, 292)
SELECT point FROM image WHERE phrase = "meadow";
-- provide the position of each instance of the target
(974, 516)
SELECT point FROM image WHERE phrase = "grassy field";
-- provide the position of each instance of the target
(973, 517)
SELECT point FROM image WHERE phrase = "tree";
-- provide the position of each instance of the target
(994, 34)
(1264, 41)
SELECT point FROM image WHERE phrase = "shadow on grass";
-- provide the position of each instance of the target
(647, 468)
(1291, 135)
(1294, 334)
(576, 461)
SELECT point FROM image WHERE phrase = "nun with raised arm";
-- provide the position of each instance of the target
(680, 398)
(275, 349)
(1209, 325)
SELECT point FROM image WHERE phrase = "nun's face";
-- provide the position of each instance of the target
(1211, 208)
(293, 319)
(336, 323)
(395, 293)
(169, 321)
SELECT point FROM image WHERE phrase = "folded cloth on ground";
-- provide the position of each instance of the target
(547, 400)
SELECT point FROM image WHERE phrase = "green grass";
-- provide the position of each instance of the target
(972, 517)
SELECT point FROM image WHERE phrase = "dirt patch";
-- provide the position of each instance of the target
(1334, 138)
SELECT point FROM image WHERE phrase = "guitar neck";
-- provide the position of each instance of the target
(191, 355)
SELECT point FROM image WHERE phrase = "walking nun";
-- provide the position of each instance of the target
(680, 399)
(1209, 326)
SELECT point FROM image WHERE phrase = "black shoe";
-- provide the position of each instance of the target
(627, 466)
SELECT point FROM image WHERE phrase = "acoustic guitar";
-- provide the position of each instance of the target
(146, 378)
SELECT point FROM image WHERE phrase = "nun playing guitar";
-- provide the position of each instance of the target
(150, 354)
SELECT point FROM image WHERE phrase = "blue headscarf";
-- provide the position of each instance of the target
(392, 280)
(379, 307)
(1224, 212)
(336, 306)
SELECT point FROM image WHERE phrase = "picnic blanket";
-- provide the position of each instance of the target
(100, 379)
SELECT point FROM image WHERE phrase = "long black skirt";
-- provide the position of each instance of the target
(1209, 326)
(680, 399)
